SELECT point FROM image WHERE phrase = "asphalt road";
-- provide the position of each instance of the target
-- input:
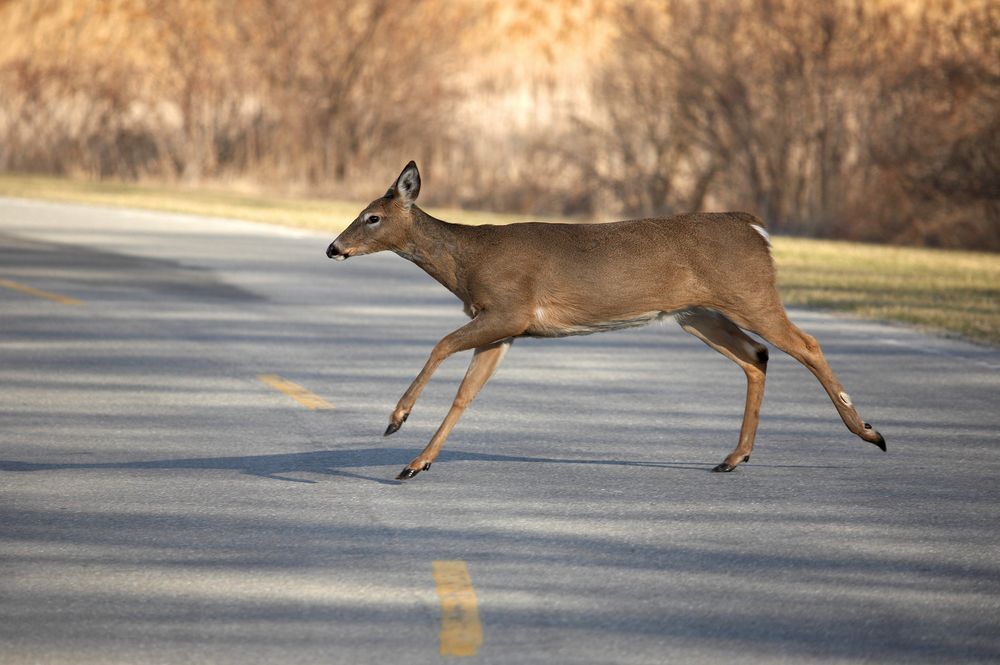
(159, 503)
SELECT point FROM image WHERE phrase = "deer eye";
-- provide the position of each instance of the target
(373, 220)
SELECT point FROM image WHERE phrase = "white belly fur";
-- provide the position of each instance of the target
(545, 326)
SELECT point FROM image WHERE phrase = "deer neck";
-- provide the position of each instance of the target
(435, 246)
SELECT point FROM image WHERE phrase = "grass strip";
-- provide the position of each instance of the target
(944, 291)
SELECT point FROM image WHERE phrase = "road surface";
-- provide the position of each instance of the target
(161, 503)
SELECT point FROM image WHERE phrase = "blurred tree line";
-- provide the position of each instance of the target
(861, 119)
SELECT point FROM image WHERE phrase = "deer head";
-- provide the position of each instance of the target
(384, 224)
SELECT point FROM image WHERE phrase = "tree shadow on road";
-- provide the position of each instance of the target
(328, 462)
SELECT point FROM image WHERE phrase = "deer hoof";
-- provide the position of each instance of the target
(408, 473)
(725, 467)
(394, 425)
(880, 441)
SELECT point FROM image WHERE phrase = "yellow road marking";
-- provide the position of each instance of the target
(296, 392)
(461, 632)
(38, 293)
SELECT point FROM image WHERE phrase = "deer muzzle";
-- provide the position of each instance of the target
(335, 253)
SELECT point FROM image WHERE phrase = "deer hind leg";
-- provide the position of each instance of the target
(773, 325)
(485, 360)
(726, 337)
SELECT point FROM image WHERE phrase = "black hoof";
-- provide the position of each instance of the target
(725, 467)
(408, 473)
(880, 442)
(393, 427)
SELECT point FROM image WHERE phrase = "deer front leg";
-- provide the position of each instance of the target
(481, 331)
(484, 362)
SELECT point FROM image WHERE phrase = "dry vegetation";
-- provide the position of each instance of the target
(321, 214)
(861, 119)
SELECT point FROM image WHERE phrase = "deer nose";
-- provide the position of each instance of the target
(334, 253)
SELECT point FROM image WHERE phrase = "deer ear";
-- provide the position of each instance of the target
(407, 185)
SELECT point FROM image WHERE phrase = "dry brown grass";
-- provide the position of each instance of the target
(300, 212)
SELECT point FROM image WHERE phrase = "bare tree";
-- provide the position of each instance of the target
(841, 118)
(936, 139)
(866, 119)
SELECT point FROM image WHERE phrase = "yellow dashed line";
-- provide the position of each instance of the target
(296, 392)
(38, 293)
(461, 632)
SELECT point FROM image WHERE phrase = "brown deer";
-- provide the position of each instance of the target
(712, 271)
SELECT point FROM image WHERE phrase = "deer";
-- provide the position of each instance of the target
(712, 272)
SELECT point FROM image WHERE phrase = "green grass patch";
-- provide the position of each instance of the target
(943, 290)
(946, 291)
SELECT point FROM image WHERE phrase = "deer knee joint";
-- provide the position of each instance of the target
(438, 354)
(810, 344)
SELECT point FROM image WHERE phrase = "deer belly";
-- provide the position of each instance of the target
(549, 323)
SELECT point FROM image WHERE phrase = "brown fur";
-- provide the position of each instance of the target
(713, 270)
